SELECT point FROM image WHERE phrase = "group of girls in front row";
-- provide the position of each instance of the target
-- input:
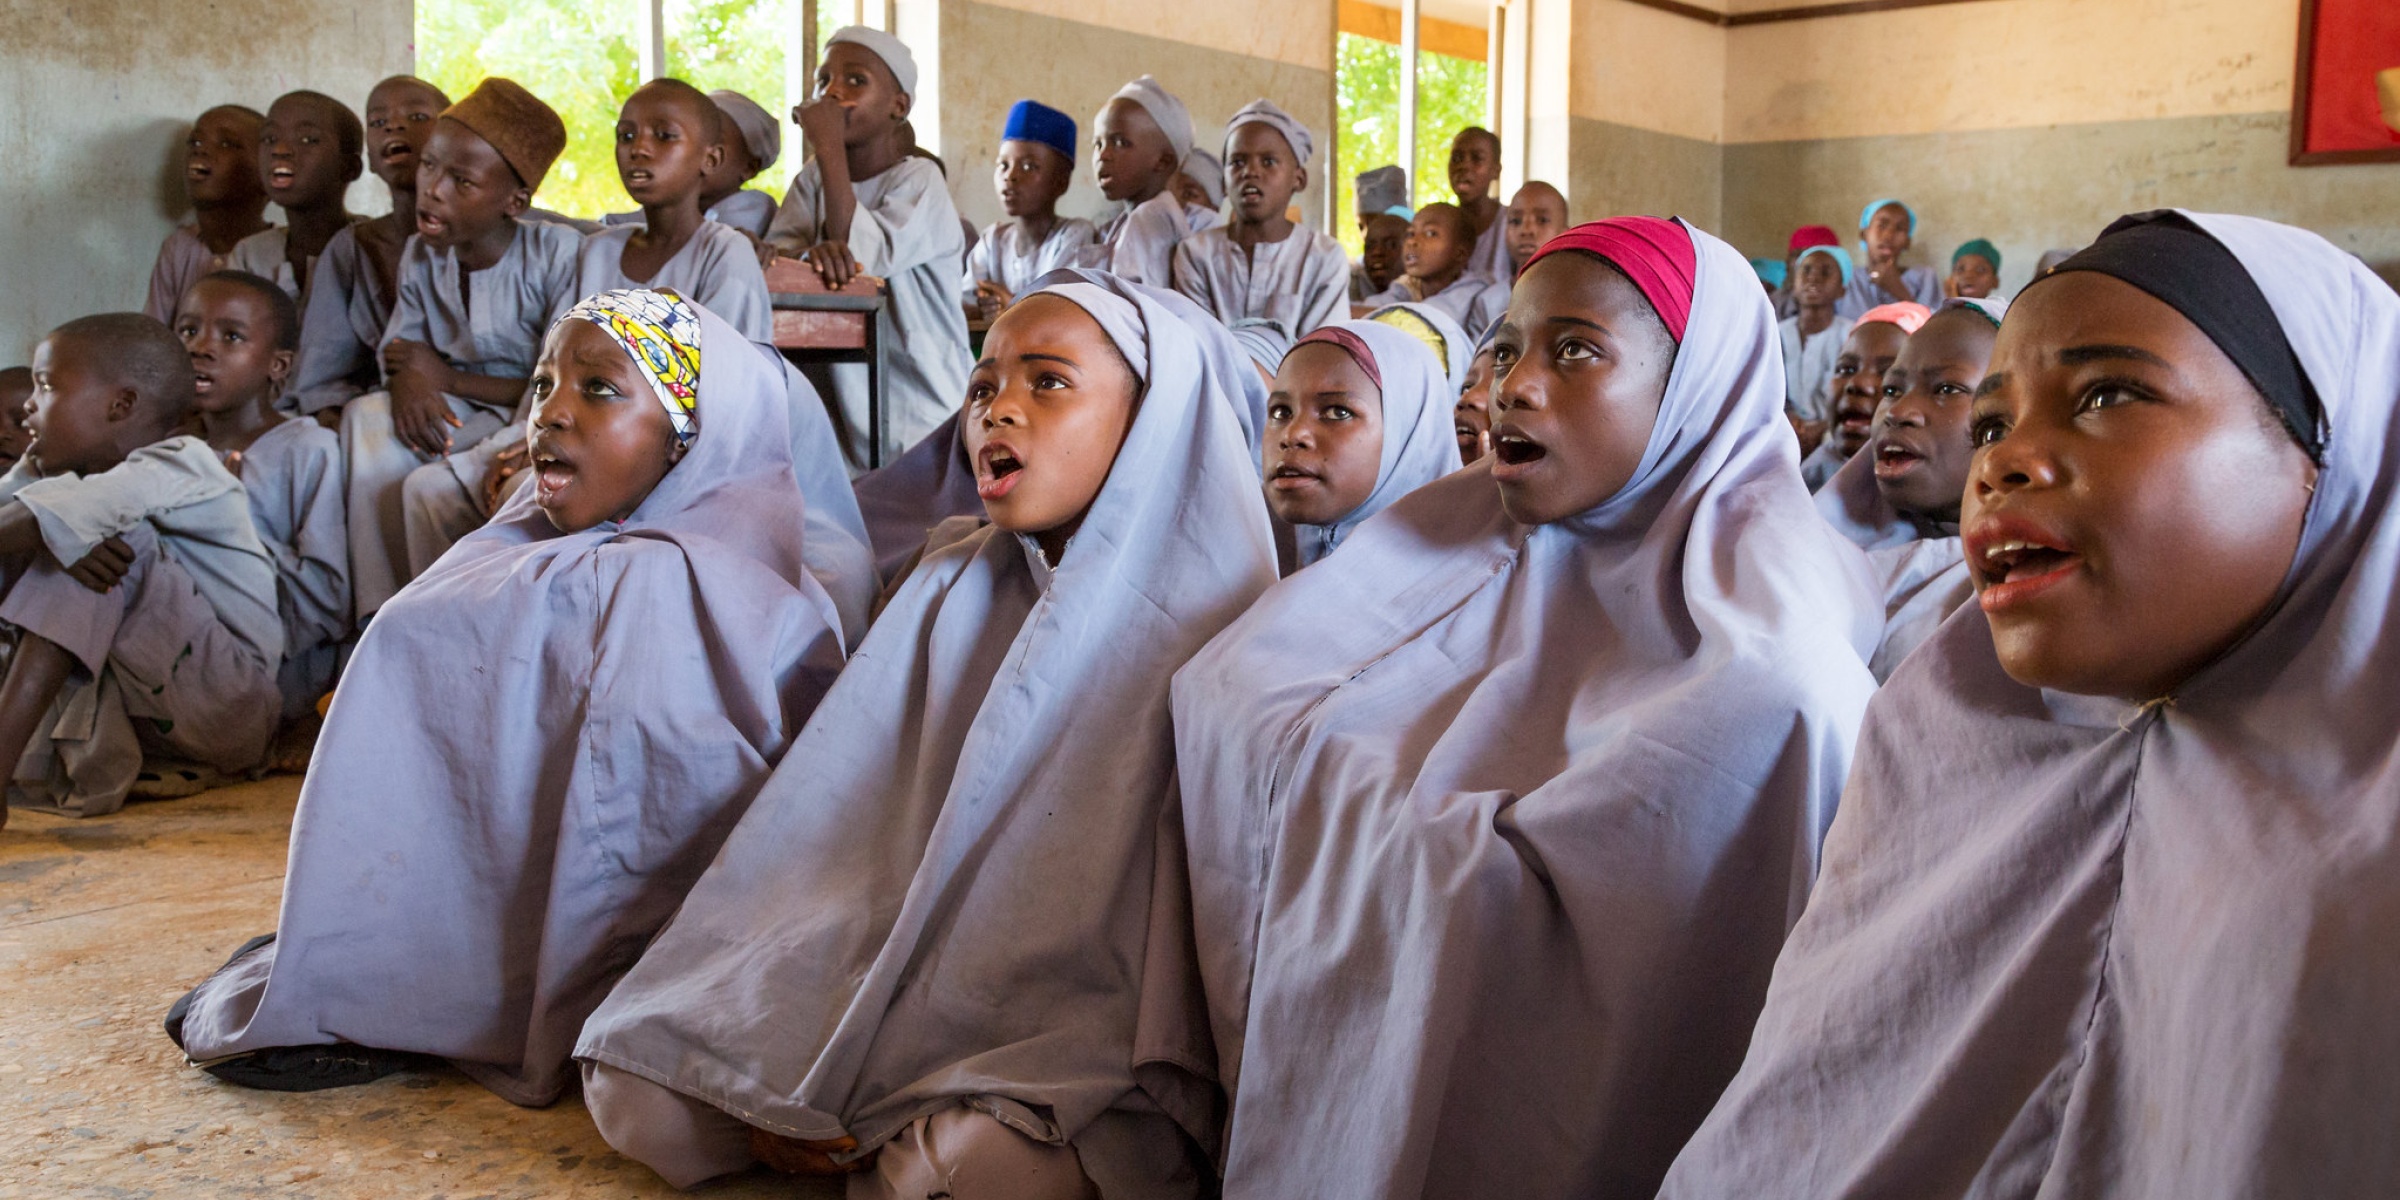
(1478, 857)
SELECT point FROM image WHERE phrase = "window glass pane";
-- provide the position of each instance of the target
(739, 44)
(578, 56)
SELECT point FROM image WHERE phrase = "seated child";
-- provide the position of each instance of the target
(749, 140)
(1496, 817)
(1435, 261)
(309, 150)
(1975, 270)
(1037, 162)
(1871, 348)
(1355, 421)
(484, 841)
(351, 290)
(241, 329)
(865, 205)
(1899, 497)
(1200, 186)
(1884, 232)
(1803, 239)
(229, 203)
(959, 895)
(1379, 259)
(1382, 192)
(1139, 142)
(139, 601)
(1260, 264)
(1538, 214)
(1812, 341)
(478, 285)
(1474, 177)
(16, 387)
(1471, 417)
(2103, 911)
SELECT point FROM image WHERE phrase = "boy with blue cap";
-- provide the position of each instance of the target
(1037, 161)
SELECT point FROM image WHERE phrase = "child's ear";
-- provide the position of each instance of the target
(1301, 186)
(676, 449)
(519, 201)
(353, 167)
(279, 367)
(712, 158)
(124, 404)
(902, 105)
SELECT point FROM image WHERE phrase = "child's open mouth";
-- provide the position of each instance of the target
(551, 475)
(635, 179)
(1291, 477)
(2015, 561)
(1515, 451)
(1892, 460)
(202, 384)
(396, 149)
(280, 178)
(997, 474)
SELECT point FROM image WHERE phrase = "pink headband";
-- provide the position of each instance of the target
(1653, 252)
(1350, 344)
(1909, 315)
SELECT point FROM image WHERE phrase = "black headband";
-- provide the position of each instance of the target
(2164, 254)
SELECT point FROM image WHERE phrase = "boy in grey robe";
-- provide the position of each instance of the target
(1261, 264)
(140, 603)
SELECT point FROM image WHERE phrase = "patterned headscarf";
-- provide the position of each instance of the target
(660, 331)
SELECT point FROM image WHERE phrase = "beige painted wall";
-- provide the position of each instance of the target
(94, 104)
(1647, 69)
(994, 54)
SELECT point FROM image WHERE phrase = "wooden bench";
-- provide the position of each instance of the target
(815, 324)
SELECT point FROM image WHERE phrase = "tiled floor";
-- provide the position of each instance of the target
(104, 921)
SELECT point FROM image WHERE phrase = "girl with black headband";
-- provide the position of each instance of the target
(2108, 907)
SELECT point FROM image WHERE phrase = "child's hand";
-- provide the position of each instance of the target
(834, 263)
(991, 297)
(421, 418)
(1887, 276)
(101, 569)
(506, 466)
(401, 356)
(821, 121)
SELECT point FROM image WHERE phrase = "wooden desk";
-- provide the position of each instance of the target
(814, 324)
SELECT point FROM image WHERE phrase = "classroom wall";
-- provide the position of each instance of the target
(1074, 54)
(2033, 123)
(1646, 104)
(93, 112)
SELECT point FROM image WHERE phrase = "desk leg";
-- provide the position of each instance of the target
(875, 389)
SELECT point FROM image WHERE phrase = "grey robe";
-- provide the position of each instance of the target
(293, 477)
(2070, 947)
(1137, 241)
(906, 231)
(744, 212)
(499, 333)
(266, 254)
(1471, 300)
(179, 657)
(1302, 281)
(341, 329)
(1491, 259)
(182, 259)
(1863, 293)
(963, 884)
(539, 745)
(1494, 830)
(1004, 255)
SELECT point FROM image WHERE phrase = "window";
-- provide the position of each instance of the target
(583, 57)
(1454, 84)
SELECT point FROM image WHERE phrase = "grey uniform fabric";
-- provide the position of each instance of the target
(1302, 281)
(1004, 254)
(963, 885)
(906, 232)
(1471, 300)
(1863, 293)
(744, 212)
(341, 329)
(490, 322)
(1492, 260)
(442, 501)
(2067, 946)
(182, 259)
(1808, 367)
(1488, 870)
(180, 657)
(540, 744)
(1137, 241)
(293, 477)
(1923, 582)
(266, 254)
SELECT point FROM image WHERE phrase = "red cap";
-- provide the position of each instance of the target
(1655, 253)
(1813, 235)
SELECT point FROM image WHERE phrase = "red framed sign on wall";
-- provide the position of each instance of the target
(2336, 116)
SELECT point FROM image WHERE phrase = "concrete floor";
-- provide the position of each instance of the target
(104, 921)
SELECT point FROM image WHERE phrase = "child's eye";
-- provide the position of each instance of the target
(2106, 394)
(1844, 370)
(1951, 389)
(1893, 391)
(1575, 349)
(1336, 412)
(596, 386)
(979, 393)
(1280, 414)
(1048, 382)
(1986, 430)
(1503, 357)
(539, 386)
(234, 337)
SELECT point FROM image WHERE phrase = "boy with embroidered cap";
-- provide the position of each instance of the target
(140, 602)
(1037, 161)
(229, 203)
(352, 286)
(865, 205)
(1139, 142)
(309, 150)
(1263, 265)
(1885, 231)
(477, 289)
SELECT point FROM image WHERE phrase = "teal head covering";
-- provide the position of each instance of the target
(1981, 249)
(1866, 215)
(1840, 257)
(1771, 271)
